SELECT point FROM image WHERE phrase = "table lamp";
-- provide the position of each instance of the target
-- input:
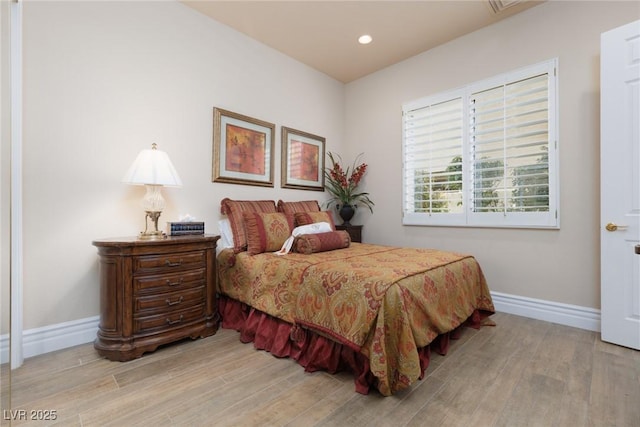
(153, 169)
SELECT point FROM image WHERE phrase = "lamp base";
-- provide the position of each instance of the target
(154, 234)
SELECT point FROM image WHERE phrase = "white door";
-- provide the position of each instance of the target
(620, 185)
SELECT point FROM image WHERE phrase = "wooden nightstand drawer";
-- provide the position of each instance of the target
(155, 292)
(170, 301)
(169, 282)
(169, 262)
(164, 321)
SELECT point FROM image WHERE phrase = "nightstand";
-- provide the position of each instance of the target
(355, 231)
(154, 292)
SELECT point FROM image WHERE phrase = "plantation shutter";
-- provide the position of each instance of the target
(509, 140)
(484, 154)
(433, 157)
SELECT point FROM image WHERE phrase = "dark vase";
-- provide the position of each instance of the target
(346, 212)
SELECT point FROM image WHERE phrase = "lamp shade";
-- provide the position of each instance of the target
(152, 167)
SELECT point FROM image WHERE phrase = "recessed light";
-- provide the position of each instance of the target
(365, 39)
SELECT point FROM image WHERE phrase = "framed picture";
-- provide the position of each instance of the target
(242, 149)
(302, 160)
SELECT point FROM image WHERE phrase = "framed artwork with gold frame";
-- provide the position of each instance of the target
(302, 160)
(243, 149)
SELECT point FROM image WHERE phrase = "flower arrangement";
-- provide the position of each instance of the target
(343, 184)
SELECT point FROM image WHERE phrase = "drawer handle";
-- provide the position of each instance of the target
(168, 263)
(179, 282)
(170, 303)
(173, 322)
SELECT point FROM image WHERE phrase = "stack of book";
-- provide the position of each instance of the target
(184, 228)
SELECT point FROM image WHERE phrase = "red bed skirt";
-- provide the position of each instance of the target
(312, 351)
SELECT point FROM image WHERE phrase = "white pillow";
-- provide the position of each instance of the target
(226, 235)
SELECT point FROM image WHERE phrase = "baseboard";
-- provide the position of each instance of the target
(68, 334)
(564, 314)
(53, 337)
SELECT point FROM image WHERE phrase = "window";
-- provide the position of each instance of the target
(484, 154)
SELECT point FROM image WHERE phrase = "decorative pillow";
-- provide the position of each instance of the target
(234, 210)
(293, 207)
(321, 242)
(266, 232)
(226, 235)
(306, 218)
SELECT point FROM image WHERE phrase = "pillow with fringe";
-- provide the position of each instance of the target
(234, 209)
(306, 218)
(322, 242)
(303, 206)
(266, 232)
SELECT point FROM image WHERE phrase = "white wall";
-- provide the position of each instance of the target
(104, 80)
(562, 265)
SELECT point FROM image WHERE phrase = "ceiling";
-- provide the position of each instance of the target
(323, 34)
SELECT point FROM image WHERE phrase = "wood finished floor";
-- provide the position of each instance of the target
(522, 372)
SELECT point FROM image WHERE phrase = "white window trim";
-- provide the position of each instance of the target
(468, 218)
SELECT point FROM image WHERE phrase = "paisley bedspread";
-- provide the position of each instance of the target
(386, 302)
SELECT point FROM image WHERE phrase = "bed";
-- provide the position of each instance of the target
(374, 310)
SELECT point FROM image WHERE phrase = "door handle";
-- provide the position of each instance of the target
(614, 227)
(638, 249)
